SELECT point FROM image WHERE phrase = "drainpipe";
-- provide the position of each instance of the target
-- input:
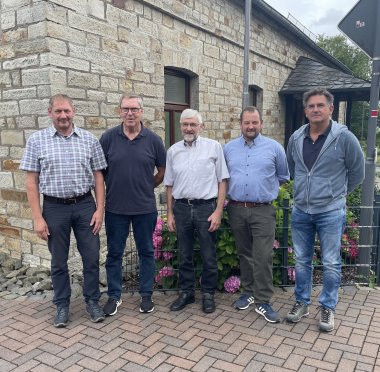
(247, 29)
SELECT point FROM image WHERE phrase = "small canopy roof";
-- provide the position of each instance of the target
(309, 73)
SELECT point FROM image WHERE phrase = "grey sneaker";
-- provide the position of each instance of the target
(326, 324)
(61, 317)
(95, 311)
(298, 311)
(244, 301)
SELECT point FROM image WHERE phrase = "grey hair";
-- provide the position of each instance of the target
(132, 95)
(319, 91)
(60, 97)
(190, 113)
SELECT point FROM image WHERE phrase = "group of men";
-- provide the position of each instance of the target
(65, 163)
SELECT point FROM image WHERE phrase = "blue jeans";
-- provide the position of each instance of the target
(117, 229)
(61, 219)
(329, 226)
(190, 219)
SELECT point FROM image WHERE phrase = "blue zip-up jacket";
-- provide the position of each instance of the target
(338, 170)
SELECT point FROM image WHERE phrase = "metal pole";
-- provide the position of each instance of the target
(366, 215)
(247, 30)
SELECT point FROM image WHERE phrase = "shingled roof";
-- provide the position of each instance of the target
(309, 73)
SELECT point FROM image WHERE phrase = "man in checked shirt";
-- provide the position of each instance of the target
(64, 163)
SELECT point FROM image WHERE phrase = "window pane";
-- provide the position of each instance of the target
(177, 126)
(175, 89)
(167, 129)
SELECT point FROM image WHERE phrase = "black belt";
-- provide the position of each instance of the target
(73, 200)
(195, 201)
(248, 204)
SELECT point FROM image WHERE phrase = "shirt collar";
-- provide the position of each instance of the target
(143, 131)
(325, 133)
(254, 142)
(54, 131)
(194, 143)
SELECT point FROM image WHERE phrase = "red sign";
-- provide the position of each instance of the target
(374, 113)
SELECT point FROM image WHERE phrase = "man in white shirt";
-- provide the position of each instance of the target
(195, 180)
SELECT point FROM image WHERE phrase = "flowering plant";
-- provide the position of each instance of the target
(232, 284)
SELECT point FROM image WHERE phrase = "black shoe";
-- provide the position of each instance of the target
(146, 305)
(95, 311)
(61, 317)
(110, 308)
(208, 303)
(184, 299)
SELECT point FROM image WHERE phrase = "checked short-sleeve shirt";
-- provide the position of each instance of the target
(65, 164)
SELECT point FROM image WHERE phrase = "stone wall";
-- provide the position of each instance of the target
(93, 50)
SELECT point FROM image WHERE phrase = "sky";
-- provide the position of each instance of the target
(319, 16)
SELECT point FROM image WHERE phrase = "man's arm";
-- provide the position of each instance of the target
(97, 218)
(216, 217)
(170, 214)
(33, 194)
(159, 176)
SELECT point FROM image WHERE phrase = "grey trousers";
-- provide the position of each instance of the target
(254, 231)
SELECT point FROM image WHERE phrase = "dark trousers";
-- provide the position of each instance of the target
(61, 218)
(254, 230)
(188, 219)
(117, 228)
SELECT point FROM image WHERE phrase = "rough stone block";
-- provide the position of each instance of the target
(10, 165)
(109, 83)
(13, 4)
(79, 6)
(57, 46)
(31, 14)
(8, 109)
(37, 30)
(86, 108)
(19, 180)
(56, 13)
(41, 250)
(30, 259)
(7, 20)
(9, 231)
(21, 222)
(118, 17)
(5, 79)
(7, 52)
(21, 63)
(68, 62)
(17, 94)
(14, 36)
(13, 196)
(91, 25)
(30, 236)
(31, 46)
(66, 33)
(81, 79)
(15, 152)
(95, 123)
(33, 106)
(6, 180)
(95, 8)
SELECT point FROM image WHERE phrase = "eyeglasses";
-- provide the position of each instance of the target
(134, 110)
(319, 106)
(191, 125)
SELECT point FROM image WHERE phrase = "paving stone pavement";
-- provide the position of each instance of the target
(227, 340)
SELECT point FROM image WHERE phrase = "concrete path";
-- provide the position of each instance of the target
(227, 340)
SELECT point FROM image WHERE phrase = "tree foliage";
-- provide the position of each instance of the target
(350, 55)
(360, 65)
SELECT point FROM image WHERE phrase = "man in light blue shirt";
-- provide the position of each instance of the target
(257, 167)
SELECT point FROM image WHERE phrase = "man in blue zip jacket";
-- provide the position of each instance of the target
(326, 162)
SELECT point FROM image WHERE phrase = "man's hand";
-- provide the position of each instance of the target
(41, 228)
(171, 223)
(96, 221)
(215, 220)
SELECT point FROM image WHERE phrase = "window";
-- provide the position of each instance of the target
(256, 97)
(177, 99)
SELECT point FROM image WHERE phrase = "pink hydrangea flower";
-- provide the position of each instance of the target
(232, 284)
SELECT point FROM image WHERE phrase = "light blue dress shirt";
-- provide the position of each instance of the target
(256, 169)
